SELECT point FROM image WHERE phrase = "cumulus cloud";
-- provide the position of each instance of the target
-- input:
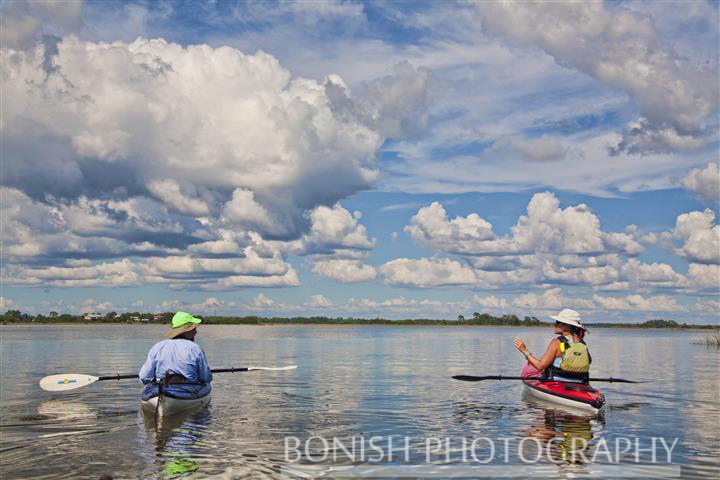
(335, 228)
(551, 299)
(344, 270)
(288, 279)
(22, 24)
(261, 301)
(700, 236)
(426, 272)
(640, 136)
(620, 48)
(397, 104)
(546, 228)
(491, 301)
(138, 150)
(704, 276)
(555, 246)
(705, 183)
(430, 226)
(155, 118)
(658, 303)
(319, 301)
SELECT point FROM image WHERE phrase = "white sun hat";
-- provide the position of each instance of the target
(570, 317)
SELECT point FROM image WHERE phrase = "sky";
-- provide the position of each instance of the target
(361, 159)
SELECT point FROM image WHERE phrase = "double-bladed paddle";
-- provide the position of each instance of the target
(71, 381)
(470, 378)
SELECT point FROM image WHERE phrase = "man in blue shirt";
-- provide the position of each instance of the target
(178, 363)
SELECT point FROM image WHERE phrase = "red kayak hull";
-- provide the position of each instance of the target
(574, 395)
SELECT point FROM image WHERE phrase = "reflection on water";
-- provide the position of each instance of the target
(351, 381)
(178, 440)
(566, 437)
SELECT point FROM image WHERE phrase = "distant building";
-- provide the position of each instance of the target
(158, 317)
(92, 316)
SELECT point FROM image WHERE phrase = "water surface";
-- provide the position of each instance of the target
(351, 382)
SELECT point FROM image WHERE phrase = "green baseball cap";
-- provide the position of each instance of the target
(182, 322)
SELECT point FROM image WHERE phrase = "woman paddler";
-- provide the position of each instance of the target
(567, 358)
(177, 364)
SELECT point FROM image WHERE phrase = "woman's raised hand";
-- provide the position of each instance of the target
(520, 345)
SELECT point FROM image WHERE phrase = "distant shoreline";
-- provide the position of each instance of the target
(477, 320)
(388, 323)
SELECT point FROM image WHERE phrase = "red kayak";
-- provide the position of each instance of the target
(579, 396)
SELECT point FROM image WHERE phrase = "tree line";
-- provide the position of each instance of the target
(478, 319)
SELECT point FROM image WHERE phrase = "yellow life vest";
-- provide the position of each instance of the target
(575, 357)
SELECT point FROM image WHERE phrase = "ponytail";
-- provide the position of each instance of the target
(578, 332)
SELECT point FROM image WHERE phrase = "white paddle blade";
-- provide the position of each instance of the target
(66, 381)
(290, 367)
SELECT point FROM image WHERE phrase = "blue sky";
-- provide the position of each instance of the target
(402, 160)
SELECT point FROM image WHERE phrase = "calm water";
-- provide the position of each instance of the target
(351, 382)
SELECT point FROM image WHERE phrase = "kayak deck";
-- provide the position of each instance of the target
(164, 406)
(575, 395)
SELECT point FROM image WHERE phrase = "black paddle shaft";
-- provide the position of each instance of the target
(134, 375)
(471, 378)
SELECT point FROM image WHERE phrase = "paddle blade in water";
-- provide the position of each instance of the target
(66, 381)
(469, 378)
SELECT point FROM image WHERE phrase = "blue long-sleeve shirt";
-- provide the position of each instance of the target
(179, 356)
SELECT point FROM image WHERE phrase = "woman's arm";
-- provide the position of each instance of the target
(547, 358)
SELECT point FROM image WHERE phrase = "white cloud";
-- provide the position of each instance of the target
(545, 228)
(319, 301)
(551, 299)
(335, 228)
(619, 48)
(23, 23)
(541, 149)
(265, 305)
(157, 118)
(397, 104)
(288, 279)
(555, 246)
(243, 210)
(700, 236)
(183, 199)
(121, 273)
(652, 274)
(704, 276)
(426, 272)
(430, 226)
(640, 136)
(492, 301)
(705, 183)
(659, 303)
(345, 271)
(7, 304)
(261, 301)
(711, 306)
